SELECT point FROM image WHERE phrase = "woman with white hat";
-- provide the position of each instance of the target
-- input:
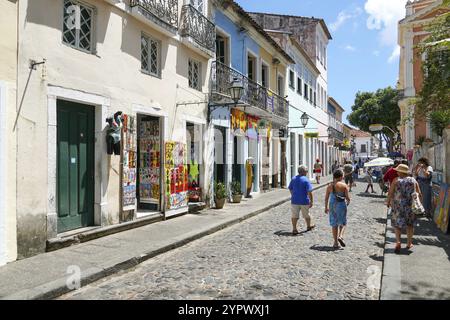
(400, 200)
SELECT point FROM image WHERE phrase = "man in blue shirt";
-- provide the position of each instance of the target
(301, 199)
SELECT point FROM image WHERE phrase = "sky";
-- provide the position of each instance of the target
(363, 54)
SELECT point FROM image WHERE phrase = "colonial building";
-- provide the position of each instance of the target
(313, 35)
(8, 130)
(364, 145)
(336, 132)
(411, 33)
(113, 107)
(247, 128)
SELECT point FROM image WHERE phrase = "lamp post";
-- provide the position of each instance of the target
(236, 90)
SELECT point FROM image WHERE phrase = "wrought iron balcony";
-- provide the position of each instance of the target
(254, 94)
(165, 11)
(195, 25)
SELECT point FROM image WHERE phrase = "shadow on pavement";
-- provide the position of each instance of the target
(324, 248)
(288, 233)
(403, 251)
(370, 195)
(381, 220)
(377, 257)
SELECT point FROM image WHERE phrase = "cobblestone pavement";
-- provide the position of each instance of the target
(260, 259)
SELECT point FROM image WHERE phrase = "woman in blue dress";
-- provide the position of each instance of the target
(336, 201)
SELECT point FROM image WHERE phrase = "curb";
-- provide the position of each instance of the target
(59, 287)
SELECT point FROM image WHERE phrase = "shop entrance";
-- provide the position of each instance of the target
(283, 164)
(149, 164)
(75, 165)
(220, 154)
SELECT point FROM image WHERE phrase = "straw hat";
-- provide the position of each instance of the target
(402, 168)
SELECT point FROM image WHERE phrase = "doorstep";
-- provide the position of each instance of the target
(86, 234)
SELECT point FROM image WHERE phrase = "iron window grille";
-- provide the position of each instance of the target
(150, 56)
(194, 74)
(78, 26)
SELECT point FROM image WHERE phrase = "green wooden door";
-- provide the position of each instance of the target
(75, 165)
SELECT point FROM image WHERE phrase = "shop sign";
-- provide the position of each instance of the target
(311, 134)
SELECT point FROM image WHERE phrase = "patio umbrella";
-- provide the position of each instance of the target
(379, 162)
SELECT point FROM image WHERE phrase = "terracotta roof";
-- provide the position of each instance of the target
(360, 134)
(258, 28)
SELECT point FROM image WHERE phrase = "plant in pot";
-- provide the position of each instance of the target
(220, 194)
(236, 192)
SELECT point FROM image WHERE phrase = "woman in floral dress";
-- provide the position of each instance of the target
(400, 201)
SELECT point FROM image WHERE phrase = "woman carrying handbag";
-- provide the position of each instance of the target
(405, 201)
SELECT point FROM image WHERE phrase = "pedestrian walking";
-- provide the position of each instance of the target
(301, 199)
(402, 193)
(334, 167)
(369, 180)
(356, 170)
(336, 201)
(424, 173)
(391, 174)
(318, 170)
(348, 174)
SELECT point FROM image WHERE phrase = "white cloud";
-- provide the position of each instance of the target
(384, 16)
(349, 48)
(394, 55)
(343, 16)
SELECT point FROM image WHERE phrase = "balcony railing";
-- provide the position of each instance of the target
(254, 94)
(195, 25)
(335, 124)
(164, 10)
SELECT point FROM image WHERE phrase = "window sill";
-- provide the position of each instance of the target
(151, 74)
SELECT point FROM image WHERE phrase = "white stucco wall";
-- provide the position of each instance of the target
(8, 59)
(113, 74)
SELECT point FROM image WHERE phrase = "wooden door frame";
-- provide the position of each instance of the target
(101, 105)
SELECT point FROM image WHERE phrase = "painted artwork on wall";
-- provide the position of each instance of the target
(176, 175)
(442, 211)
(129, 163)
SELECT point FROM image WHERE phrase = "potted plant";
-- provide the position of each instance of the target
(220, 194)
(236, 192)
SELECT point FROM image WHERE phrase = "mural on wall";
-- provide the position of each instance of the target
(442, 210)
(129, 162)
(176, 175)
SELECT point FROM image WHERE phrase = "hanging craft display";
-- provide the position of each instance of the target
(238, 121)
(176, 175)
(149, 161)
(129, 163)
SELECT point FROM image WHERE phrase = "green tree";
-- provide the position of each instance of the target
(433, 101)
(377, 107)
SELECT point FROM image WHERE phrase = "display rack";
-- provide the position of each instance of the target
(149, 165)
(128, 167)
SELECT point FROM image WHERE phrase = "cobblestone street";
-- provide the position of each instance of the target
(260, 259)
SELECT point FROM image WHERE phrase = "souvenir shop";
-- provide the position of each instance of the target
(249, 134)
(154, 171)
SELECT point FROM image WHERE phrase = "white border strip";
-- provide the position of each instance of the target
(2, 173)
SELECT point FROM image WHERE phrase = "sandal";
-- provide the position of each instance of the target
(341, 242)
(311, 227)
(295, 232)
(397, 248)
(336, 247)
(409, 246)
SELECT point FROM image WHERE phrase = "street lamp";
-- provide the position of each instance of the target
(304, 121)
(236, 90)
(304, 118)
